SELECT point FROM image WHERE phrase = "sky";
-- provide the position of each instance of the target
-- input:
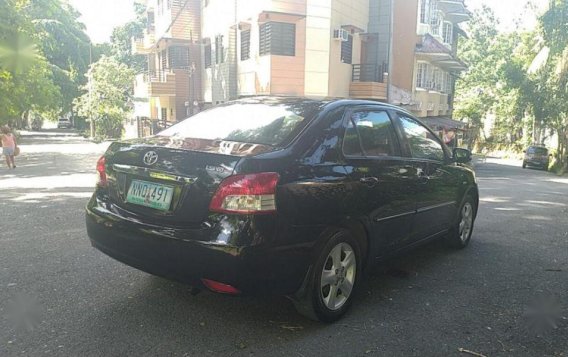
(509, 12)
(101, 16)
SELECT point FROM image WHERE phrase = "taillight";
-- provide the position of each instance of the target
(101, 171)
(247, 194)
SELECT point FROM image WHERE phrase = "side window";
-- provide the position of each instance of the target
(370, 133)
(423, 143)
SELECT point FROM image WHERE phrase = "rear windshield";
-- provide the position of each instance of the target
(537, 150)
(269, 124)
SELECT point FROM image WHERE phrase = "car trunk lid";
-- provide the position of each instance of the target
(171, 180)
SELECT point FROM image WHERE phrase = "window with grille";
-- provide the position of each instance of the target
(219, 49)
(448, 83)
(424, 9)
(436, 79)
(245, 45)
(179, 57)
(277, 38)
(347, 50)
(207, 55)
(422, 75)
(432, 9)
(448, 32)
(436, 23)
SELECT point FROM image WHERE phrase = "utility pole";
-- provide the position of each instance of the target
(192, 70)
(91, 121)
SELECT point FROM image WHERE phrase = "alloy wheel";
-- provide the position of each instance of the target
(338, 276)
(466, 222)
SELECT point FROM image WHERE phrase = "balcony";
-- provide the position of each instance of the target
(144, 45)
(369, 81)
(156, 84)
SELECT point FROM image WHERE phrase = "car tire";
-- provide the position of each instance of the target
(460, 234)
(524, 165)
(336, 269)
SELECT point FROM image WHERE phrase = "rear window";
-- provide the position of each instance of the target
(272, 124)
(537, 150)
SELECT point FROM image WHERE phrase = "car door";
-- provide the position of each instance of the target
(378, 177)
(436, 188)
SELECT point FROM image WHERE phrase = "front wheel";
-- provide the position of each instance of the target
(332, 280)
(460, 234)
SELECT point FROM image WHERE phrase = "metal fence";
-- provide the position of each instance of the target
(369, 72)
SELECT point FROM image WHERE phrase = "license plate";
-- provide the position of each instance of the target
(150, 194)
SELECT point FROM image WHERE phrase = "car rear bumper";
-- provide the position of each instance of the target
(538, 163)
(262, 269)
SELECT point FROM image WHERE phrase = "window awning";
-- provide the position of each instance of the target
(267, 16)
(454, 10)
(433, 51)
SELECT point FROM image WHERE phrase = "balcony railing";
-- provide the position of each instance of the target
(369, 72)
(158, 76)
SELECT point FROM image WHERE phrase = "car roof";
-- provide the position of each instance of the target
(329, 103)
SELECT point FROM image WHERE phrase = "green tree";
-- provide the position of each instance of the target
(121, 40)
(107, 96)
(26, 81)
(478, 92)
(64, 43)
(554, 28)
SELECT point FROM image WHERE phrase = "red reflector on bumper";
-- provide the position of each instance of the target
(220, 287)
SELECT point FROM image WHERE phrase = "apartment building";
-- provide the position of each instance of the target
(171, 86)
(211, 51)
(286, 47)
(420, 46)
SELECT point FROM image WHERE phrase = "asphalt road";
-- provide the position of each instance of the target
(505, 295)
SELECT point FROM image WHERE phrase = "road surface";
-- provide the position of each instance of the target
(505, 295)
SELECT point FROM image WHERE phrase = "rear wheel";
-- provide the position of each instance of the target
(460, 234)
(332, 280)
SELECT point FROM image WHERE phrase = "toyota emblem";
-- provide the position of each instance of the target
(150, 158)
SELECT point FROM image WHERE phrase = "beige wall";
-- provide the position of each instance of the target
(345, 13)
(315, 70)
(318, 39)
(404, 44)
(288, 73)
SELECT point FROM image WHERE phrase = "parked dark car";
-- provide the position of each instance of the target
(283, 196)
(536, 156)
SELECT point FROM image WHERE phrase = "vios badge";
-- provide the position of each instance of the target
(150, 158)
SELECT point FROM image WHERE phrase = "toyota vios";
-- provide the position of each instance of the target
(281, 195)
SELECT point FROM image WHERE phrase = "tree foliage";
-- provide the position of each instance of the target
(44, 53)
(519, 78)
(121, 40)
(107, 94)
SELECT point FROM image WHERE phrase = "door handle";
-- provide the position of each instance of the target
(369, 181)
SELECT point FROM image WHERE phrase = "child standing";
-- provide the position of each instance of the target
(8, 145)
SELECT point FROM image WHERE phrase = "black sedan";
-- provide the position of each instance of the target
(283, 196)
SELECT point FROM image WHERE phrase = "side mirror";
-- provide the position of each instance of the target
(462, 156)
